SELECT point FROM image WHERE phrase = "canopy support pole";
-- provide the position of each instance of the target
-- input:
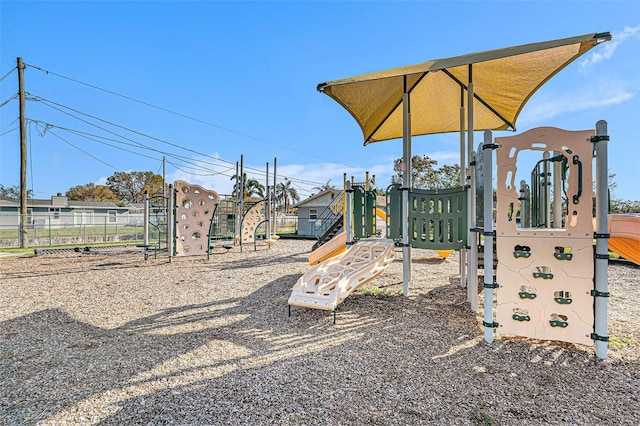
(489, 286)
(602, 244)
(406, 185)
(463, 179)
(472, 261)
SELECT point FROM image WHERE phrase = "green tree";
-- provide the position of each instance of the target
(286, 194)
(91, 192)
(12, 192)
(252, 188)
(425, 174)
(131, 186)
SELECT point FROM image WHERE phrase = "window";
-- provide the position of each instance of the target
(313, 213)
(112, 216)
(55, 211)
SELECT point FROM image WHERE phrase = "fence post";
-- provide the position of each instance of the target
(50, 232)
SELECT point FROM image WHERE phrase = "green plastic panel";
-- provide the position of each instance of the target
(437, 218)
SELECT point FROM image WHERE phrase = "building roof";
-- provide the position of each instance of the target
(316, 196)
(34, 202)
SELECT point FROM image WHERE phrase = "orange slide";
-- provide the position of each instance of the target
(331, 248)
(624, 230)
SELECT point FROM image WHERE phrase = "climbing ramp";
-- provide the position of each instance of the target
(545, 275)
(194, 210)
(327, 284)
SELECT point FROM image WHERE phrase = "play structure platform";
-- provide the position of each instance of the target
(327, 284)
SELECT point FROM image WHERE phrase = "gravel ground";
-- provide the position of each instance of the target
(108, 338)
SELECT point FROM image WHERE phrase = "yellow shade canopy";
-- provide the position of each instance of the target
(503, 80)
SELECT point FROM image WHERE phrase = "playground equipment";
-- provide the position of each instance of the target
(333, 247)
(201, 221)
(488, 90)
(361, 201)
(625, 236)
(545, 271)
(337, 273)
(327, 284)
(155, 221)
(194, 208)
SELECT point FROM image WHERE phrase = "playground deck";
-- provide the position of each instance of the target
(108, 338)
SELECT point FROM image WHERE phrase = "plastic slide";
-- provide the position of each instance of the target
(331, 248)
(327, 284)
(624, 230)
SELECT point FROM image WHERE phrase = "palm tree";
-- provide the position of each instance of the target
(252, 187)
(286, 194)
(325, 187)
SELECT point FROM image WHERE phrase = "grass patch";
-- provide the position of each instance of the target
(379, 293)
(480, 417)
(619, 342)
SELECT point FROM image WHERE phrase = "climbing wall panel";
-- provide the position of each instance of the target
(545, 275)
(194, 210)
(251, 220)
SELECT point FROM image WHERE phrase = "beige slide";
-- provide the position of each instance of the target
(327, 284)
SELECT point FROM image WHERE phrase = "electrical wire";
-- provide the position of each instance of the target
(58, 107)
(13, 122)
(85, 152)
(9, 131)
(14, 96)
(134, 144)
(207, 123)
(9, 73)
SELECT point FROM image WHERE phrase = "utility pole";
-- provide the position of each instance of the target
(22, 230)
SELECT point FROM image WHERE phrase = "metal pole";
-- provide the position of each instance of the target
(170, 223)
(274, 200)
(22, 233)
(241, 195)
(146, 217)
(472, 261)
(267, 209)
(348, 213)
(236, 217)
(488, 237)
(602, 244)
(472, 265)
(344, 206)
(463, 180)
(525, 206)
(546, 182)
(406, 185)
(557, 192)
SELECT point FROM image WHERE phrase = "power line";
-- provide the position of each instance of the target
(14, 96)
(48, 103)
(179, 114)
(133, 143)
(84, 152)
(8, 74)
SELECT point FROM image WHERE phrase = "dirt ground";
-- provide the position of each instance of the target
(106, 337)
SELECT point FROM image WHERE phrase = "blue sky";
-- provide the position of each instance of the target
(245, 73)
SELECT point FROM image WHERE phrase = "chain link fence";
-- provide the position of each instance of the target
(47, 230)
